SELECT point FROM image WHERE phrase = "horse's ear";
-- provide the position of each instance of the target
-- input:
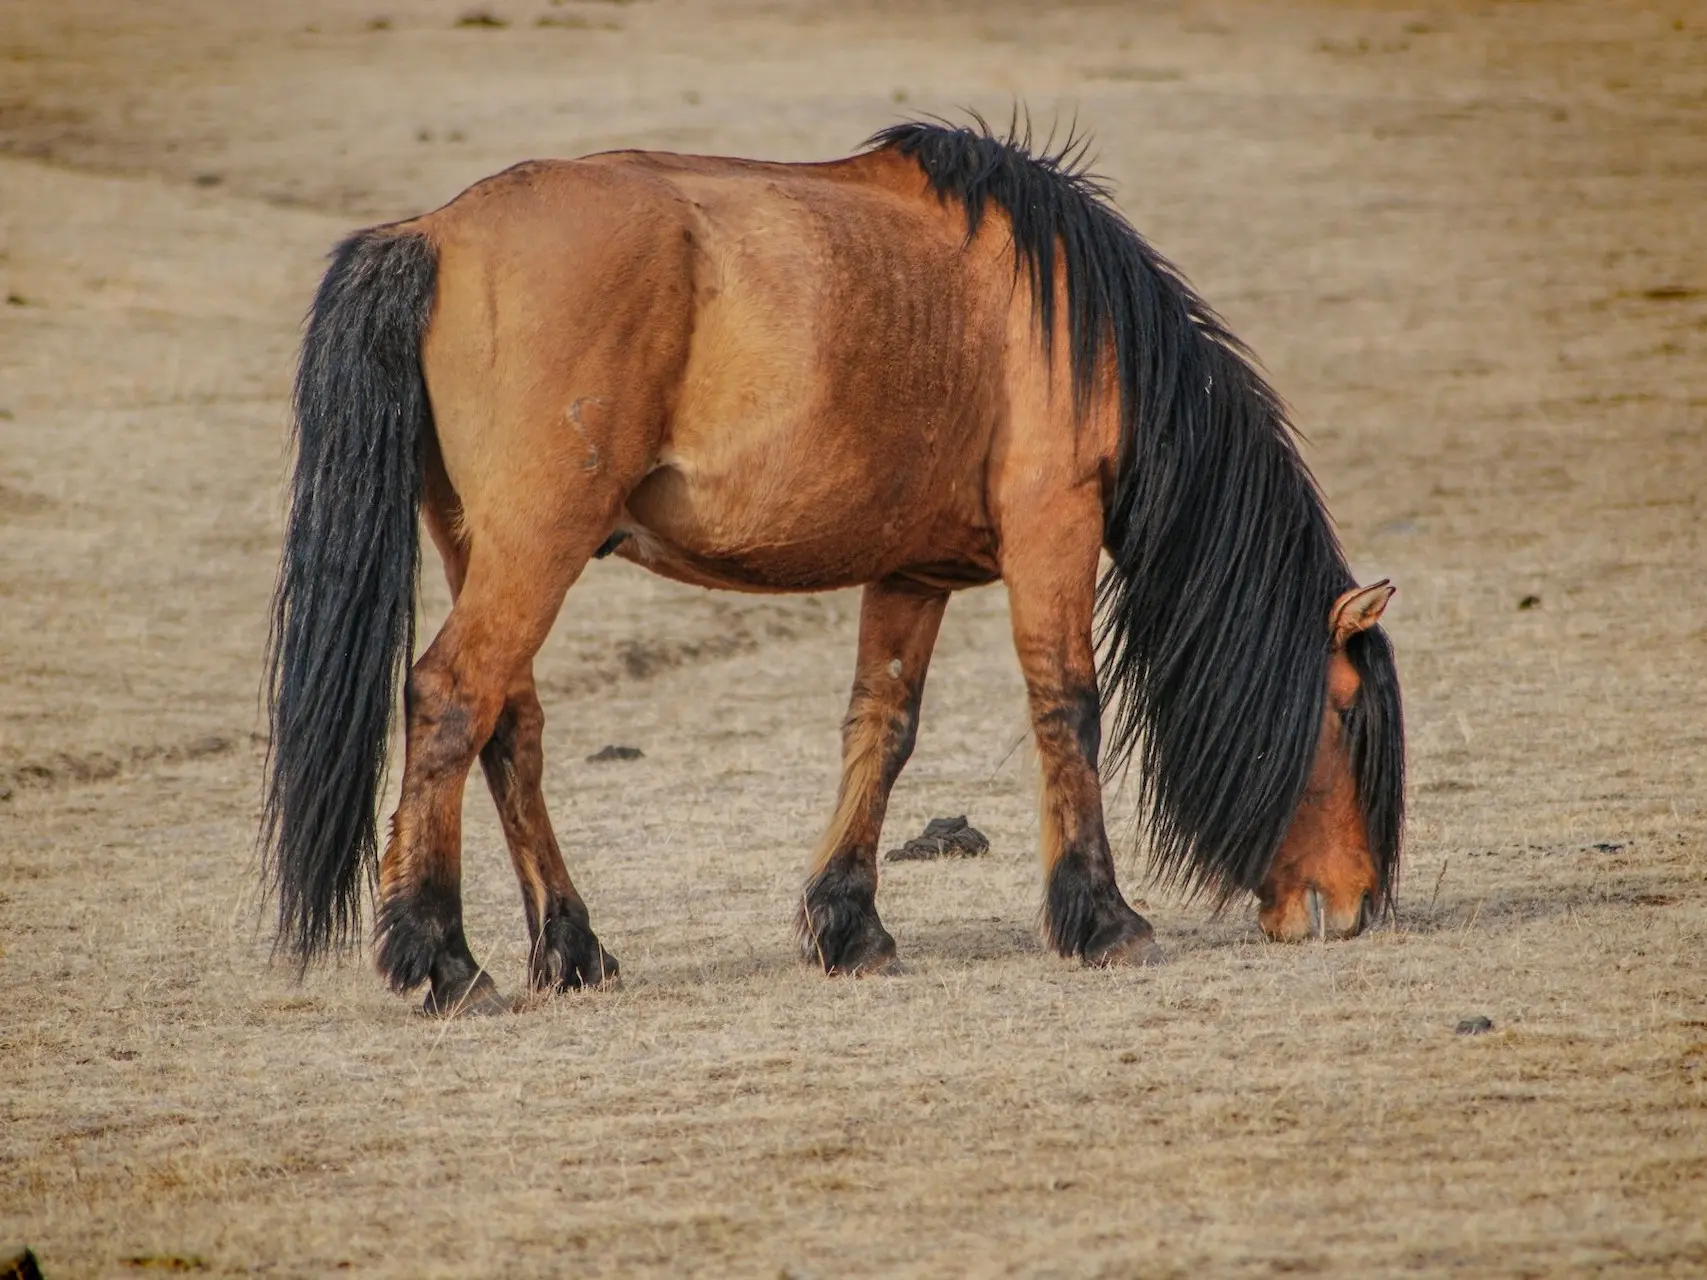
(1359, 609)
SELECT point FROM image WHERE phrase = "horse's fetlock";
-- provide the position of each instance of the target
(1085, 915)
(837, 925)
(416, 931)
(567, 954)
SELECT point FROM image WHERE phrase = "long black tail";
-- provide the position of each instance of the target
(1225, 565)
(344, 609)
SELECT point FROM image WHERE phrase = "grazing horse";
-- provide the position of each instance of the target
(943, 361)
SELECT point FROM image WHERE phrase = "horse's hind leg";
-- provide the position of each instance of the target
(1049, 562)
(564, 953)
(838, 926)
(454, 696)
(508, 587)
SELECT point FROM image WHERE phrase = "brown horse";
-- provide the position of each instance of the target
(943, 361)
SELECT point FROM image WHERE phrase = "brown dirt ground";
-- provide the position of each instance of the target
(1468, 240)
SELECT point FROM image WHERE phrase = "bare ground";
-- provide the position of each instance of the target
(1468, 241)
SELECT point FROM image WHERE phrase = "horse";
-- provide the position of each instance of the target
(943, 361)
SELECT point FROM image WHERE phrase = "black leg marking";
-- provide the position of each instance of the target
(421, 940)
(1076, 717)
(415, 930)
(903, 732)
(838, 925)
(1087, 918)
(566, 954)
(500, 749)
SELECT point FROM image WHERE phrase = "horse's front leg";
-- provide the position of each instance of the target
(1049, 563)
(838, 926)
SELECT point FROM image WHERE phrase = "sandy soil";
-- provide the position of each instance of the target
(1468, 241)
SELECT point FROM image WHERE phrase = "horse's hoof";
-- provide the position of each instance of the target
(592, 969)
(874, 958)
(1094, 923)
(611, 971)
(1140, 951)
(1124, 940)
(847, 944)
(568, 956)
(479, 999)
(838, 926)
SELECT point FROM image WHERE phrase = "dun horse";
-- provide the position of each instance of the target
(941, 362)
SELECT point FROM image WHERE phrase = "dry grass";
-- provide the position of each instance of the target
(1467, 242)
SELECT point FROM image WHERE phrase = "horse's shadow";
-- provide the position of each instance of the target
(957, 944)
(1504, 908)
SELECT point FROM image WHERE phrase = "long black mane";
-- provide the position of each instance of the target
(1214, 615)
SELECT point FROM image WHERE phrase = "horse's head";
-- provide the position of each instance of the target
(1335, 869)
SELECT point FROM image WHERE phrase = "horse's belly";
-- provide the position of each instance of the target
(758, 537)
(791, 521)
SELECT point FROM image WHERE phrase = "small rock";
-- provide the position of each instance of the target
(605, 754)
(1476, 1026)
(942, 838)
(1529, 602)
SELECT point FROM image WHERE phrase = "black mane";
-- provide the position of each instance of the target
(1214, 614)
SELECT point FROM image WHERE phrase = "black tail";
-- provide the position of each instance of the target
(1215, 612)
(344, 609)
